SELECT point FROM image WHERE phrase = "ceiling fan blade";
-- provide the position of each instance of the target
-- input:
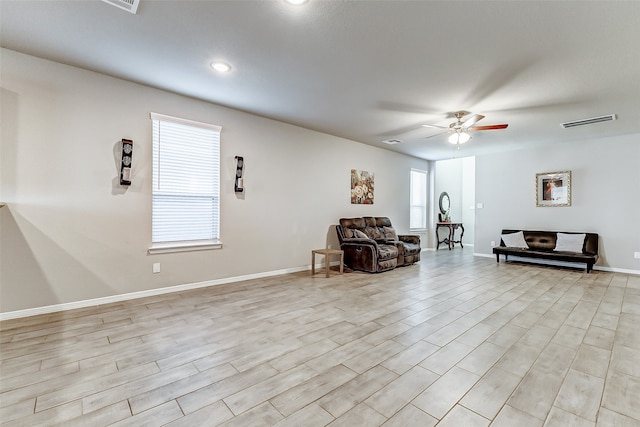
(490, 127)
(472, 120)
(434, 135)
(436, 126)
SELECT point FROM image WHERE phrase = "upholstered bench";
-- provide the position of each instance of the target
(550, 245)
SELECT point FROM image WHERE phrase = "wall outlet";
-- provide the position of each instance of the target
(480, 205)
(156, 267)
(636, 255)
(493, 243)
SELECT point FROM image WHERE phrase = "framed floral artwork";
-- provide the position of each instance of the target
(553, 189)
(361, 187)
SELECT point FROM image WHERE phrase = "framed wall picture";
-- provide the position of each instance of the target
(361, 187)
(553, 189)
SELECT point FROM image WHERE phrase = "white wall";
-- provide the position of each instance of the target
(71, 233)
(605, 195)
(469, 199)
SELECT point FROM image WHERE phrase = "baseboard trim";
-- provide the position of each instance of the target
(141, 294)
(484, 255)
(178, 288)
(562, 264)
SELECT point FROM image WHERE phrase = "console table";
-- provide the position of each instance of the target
(449, 240)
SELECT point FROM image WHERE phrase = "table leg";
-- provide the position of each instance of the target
(450, 237)
(341, 262)
(326, 263)
(313, 263)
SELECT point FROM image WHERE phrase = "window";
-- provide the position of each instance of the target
(186, 185)
(418, 203)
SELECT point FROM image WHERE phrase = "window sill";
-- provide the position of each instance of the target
(165, 248)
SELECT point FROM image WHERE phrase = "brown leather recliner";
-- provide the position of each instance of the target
(371, 244)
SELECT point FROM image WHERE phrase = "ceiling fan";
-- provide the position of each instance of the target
(460, 129)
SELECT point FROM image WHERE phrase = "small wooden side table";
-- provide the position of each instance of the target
(327, 255)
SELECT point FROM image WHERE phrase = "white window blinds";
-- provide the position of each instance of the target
(418, 203)
(186, 180)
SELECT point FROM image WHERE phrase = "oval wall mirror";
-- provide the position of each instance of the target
(444, 202)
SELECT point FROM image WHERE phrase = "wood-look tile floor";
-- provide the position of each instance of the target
(454, 340)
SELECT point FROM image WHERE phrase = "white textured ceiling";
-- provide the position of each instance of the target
(366, 70)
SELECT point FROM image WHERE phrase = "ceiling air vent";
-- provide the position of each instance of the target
(589, 121)
(392, 141)
(128, 5)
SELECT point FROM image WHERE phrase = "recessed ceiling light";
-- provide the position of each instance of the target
(296, 2)
(222, 67)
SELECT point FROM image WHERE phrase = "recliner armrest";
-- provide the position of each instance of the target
(361, 254)
(360, 241)
(410, 238)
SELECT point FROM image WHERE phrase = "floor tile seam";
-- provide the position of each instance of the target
(560, 343)
(183, 393)
(226, 394)
(19, 416)
(430, 318)
(459, 403)
(38, 378)
(363, 402)
(569, 365)
(607, 380)
(53, 346)
(452, 339)
(311, 357)
(44, 336)
(14, 371)
(548, 411)
(315, 401)
(600, 401)
(152, 407)
(17, 422)
(52, 408)
(201, 349)
(125, 386)
(515, 387)
(267, 380)
(522, 378)
(28, 354)
(635, 350)
(51, 381)
(45, 325)
(284, 417)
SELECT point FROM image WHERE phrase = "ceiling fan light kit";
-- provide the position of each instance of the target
(391, 141)
(459, 137)
(460, 130)
(221, 66)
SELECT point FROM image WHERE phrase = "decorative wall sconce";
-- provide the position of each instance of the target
(125, 167)
(239, 184)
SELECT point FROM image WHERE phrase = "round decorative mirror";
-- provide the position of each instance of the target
(444, 202)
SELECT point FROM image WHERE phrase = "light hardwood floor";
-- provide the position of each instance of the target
(454, 340)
